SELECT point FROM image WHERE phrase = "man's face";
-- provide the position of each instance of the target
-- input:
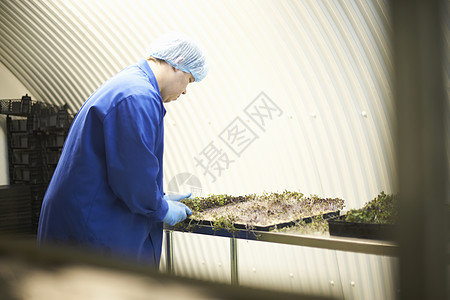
(177, 85)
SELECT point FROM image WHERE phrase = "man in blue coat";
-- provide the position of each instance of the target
(107, 190)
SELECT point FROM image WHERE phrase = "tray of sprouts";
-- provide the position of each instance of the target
(263, 212)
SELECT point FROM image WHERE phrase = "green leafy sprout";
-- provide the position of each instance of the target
(381, 210)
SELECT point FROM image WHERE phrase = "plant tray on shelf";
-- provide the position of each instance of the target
(340, 227)
(375, 220)
(258, 212)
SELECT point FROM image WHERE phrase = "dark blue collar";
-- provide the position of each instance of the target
(144, 66)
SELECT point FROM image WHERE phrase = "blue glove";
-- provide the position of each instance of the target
(177, 211)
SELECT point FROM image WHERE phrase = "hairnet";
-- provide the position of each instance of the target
(180, 52)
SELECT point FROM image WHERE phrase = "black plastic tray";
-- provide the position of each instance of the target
(339, 227)
(242, 230)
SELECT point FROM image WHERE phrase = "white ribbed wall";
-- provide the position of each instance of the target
(325, 64)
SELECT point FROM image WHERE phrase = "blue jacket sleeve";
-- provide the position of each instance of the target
(133, 146)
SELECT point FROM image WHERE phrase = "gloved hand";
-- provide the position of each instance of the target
(177, 211)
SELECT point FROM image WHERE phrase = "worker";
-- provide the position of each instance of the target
(107, 190)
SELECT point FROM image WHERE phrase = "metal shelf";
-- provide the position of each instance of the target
(377, 247)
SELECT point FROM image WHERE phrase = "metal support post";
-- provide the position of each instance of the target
(234, 261)
(169, 252)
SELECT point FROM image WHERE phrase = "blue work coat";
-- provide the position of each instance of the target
(107, 189)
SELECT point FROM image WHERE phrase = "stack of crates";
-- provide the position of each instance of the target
(36, 132)
(20, 151)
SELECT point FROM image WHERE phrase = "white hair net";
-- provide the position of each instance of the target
(179, 51)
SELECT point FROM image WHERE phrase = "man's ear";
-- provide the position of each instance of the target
(175, 69)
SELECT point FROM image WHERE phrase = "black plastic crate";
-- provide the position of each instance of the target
(16, 107)
(19, 141)
(21, 174)
(21, 157)
(55, 140)
(18, 125)
(26, 104)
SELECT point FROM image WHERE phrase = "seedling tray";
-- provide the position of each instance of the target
(258, 212)
(340, 227)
